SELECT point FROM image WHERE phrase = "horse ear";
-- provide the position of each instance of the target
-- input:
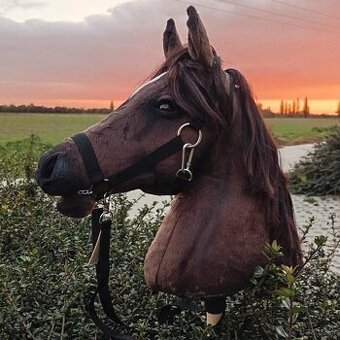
(171, 40)
(198, 42)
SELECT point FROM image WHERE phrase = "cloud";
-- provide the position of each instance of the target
(8, 5)
(107, 56)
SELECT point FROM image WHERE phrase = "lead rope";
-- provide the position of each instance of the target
(101, 228)
(101, 222)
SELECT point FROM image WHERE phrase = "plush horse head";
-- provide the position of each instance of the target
(237, 201)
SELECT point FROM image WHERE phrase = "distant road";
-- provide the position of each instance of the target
(292, 154)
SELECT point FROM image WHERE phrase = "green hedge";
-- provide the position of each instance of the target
(319, 172)
(44, 278)
(18, 159)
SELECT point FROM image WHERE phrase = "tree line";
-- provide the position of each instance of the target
(291, 109)
(31, 108)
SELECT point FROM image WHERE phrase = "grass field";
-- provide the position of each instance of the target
(53, 128)
(290, 131)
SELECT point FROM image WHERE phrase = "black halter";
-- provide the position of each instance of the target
(100, 188)
(101, 185)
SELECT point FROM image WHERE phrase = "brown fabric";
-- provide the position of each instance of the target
(198, 42)
(209, 243)
(171, 40)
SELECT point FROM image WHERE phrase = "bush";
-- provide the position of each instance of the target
(18, 159)
(44, 278)
(319, 172)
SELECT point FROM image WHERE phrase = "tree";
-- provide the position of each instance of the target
(286, 108)
(294, 107)
(112, 107)
(338, 110)
(297, 105)
(305, 108)
(282, 108)
(259, 106)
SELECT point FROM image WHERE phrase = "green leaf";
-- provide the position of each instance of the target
(281, 332)
(286, 292)
(286, 303)
(253, 281)
(294, 317)
(290, 278)
(275, 246)
(327, 303)
(320, 240)
(289, 271)
(298, 309)
(258, 272)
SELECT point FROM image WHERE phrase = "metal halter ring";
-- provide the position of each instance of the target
(189, 145)
(184, 172)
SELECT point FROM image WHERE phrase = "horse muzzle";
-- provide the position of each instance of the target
(59, 171)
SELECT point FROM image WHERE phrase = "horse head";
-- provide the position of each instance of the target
(213, 237)
(149, 118)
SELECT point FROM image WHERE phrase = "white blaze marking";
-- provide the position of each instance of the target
(147, 83)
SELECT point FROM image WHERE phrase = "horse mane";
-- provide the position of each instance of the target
(265, 177)
(212, 104)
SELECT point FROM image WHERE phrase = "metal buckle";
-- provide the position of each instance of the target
(89, 192)
(85, 192)
(184, 172)
(106, 214)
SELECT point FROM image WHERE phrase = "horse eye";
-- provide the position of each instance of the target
(166, 106)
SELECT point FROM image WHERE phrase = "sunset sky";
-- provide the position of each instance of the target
(85, 53)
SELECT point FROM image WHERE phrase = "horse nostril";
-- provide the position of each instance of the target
(48, 167)
(55, 174)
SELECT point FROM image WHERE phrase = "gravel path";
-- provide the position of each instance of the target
(321, 208)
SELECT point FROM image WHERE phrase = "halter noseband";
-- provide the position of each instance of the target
(101, 185)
